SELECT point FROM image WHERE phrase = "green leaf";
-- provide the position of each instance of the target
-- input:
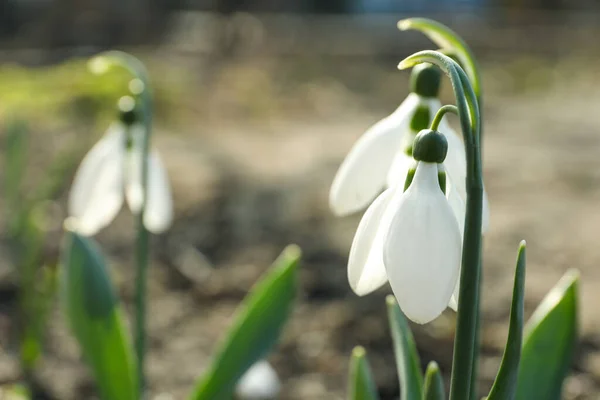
(407, 358)
(550, 338)
(14, 392)
(433, 389)
(450, 41)
(360, 382)
(256, 328)
(505, 384)
(95, 318)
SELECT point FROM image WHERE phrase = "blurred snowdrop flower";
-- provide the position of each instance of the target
(260, 382)
(412, 238)
(112, 172)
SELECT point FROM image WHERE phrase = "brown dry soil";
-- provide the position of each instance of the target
(246, 186)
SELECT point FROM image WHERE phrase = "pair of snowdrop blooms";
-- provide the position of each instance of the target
(111, 172)
(411, 233)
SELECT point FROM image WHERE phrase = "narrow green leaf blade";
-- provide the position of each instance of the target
(95, 318)
(361, 385)
(257, 327)
(433, 388)
(447, 39)
(407, 358)
(550, 338)
(505, 384)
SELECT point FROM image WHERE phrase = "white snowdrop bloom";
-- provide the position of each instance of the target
(111, 172)
(381, 157)
(260, 382)
(412, 238)
(366, 271)
(422, 247)
(380, 154)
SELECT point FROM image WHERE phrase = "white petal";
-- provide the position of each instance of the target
(456, 159)
(456, 164)
(133, 173)
(485, 213)
(363, 172)
(97, 191)
(459, 209)
(397, 173)
(422, 248)
(453, 304)
(260, 382)
(158, 215)
(457, 204)
(366, 271)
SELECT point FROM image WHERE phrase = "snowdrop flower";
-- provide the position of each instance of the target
(112, 172)
(260, 382)
(382, 157)
(412, 238)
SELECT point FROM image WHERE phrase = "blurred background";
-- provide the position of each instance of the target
(257, 102)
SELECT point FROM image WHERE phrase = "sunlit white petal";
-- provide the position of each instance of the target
(453, 304)
(366, 271)
(457, 204)
(485, 213)
(158, 215)
(363, 172)
(97, 191)
(459, 209)
(422, 248)
(456, 161)
(397, 174)
(134, 193)
(260, 382)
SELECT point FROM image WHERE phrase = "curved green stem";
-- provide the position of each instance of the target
(100, 63)
(448, 108)
(448, 40)
(464, 363)
(452, 44)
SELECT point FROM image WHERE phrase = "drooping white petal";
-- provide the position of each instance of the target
(134, 193)
(260, 382)
(485, 213)
(422, 248)
(363, 172)
(457, 204)
(97, 191)
(399, 169)
(459, 209)
(366, 271)
(158, 215)
(453, 303)
(456, 164)
(456, 161)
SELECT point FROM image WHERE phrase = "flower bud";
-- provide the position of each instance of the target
(425, 80)
(127, 110)
(430, 146)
